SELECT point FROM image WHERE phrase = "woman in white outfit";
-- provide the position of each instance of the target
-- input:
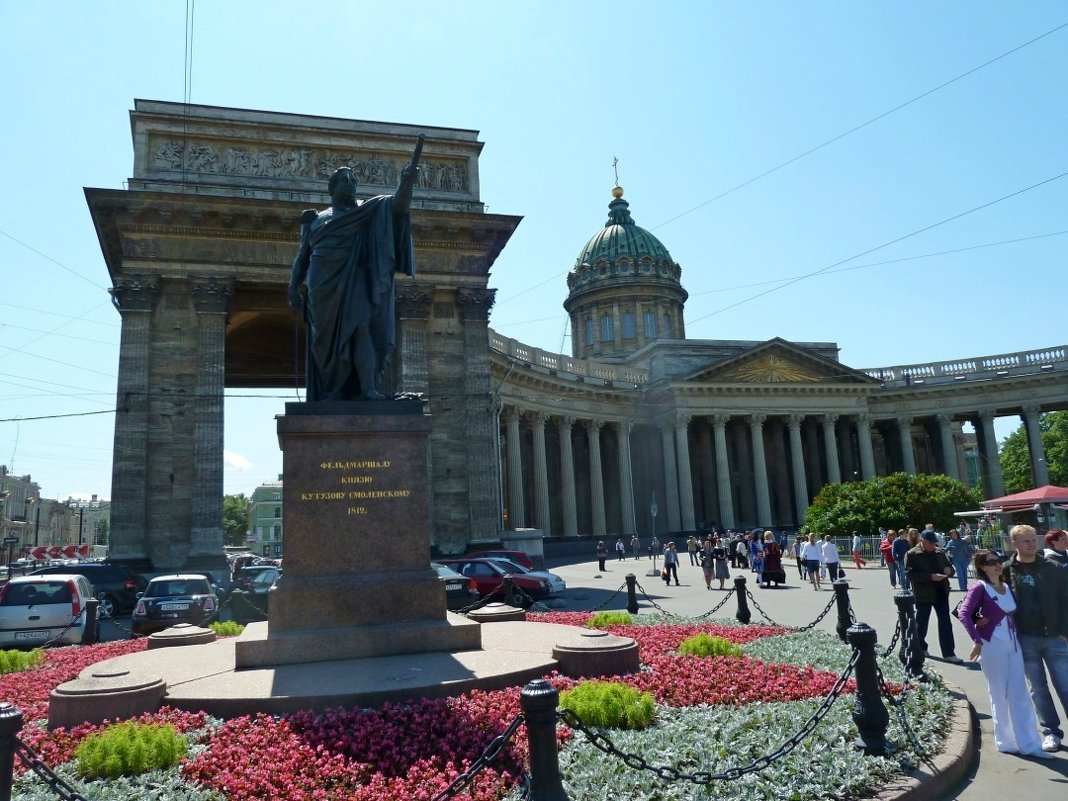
(811, 556)
(999, 655)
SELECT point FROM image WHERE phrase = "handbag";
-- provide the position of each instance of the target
(976, 615)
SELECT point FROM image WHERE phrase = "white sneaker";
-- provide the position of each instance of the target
(1051, 743)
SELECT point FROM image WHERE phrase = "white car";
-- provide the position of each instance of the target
(35, 610)
(556, 583)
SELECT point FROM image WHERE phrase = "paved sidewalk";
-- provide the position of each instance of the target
(997, 777)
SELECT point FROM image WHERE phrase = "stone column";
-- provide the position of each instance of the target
(567, 476)
(830, 447)
(797, 457)
(760, 469)
(542, 518)
(682, 450)
(135, 297)
(988, 443)
(671, 477)
(211, 299)
(723, 471)
(1039, 467)
(949, 449)
(812, 460)
(517, 516)
(867, 454)
(908, 453)
(706, 472)
(479, 424)
(593, 433)
(626, 479)
(413, 313)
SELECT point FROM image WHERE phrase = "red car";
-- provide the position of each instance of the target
(489, 577)
(516, 556)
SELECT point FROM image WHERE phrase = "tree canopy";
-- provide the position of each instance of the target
(235, 519)
(891, 501)
(1016, 455)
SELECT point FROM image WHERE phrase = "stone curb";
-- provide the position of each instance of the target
(935, 779)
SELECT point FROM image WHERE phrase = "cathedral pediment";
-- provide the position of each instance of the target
(778, 362)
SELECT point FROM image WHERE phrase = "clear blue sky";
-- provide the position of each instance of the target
(694, 98)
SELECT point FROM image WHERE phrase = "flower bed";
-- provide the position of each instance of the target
(712, 713)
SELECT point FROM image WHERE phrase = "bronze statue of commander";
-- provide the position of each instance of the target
(343, 281)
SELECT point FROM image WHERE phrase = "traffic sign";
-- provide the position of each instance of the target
(11, 540)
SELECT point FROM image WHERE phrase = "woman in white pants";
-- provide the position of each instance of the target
(995, 648)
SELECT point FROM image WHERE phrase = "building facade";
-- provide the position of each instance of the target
(265, 520)
(199, 247)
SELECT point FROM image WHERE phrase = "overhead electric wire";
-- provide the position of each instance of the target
(894, 241)
(822, 145)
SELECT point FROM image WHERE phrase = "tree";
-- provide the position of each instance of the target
(235, 519)
(1015, 453)
(892, 501)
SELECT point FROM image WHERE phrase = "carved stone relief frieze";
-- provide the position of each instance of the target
(278, 161)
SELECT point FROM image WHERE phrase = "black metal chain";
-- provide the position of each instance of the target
(893, 642)
(756, 606)
(653, 603)
(819, 618)
(897, 703)
(56, 783)
(720, 605)
(73, 621)
(490, 753)
(667, 772)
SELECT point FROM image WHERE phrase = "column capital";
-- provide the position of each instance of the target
(135, 293)
(211, 295)
(625, 426)
(720, 420)
(944, 419)
(475, 304)
(795, 420)
(682, 421)
(756, 421)
(1031, 410)
(413, 302)
(593, 426)
(904, 420)
(565, 424)
(829, 419)
(864, 420)
(537, 419)
(513, 415)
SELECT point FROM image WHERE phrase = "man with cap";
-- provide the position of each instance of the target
(928, 570)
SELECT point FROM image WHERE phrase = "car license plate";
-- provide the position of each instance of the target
(31, 635)
(453, 587)
(173, 607)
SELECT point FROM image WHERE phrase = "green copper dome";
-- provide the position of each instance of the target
(620, 237)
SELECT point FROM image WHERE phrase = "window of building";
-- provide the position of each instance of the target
(589, 331)
(278, 511)
(668, 332)
(630, 325)
(650, 324)
(607, 334)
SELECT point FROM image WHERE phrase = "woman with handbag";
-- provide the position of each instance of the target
(998, 652)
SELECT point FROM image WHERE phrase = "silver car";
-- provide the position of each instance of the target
(40, 609)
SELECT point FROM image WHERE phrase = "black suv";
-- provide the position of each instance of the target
(116, 586)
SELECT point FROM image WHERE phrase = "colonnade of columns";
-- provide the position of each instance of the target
(747, 470)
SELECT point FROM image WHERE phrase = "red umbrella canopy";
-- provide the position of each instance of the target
(1046, 494)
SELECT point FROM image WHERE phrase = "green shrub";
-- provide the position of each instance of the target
(17, 661)
(609, 705)
(227, 628)
(708, 645)
(128, 749)
(602, 619)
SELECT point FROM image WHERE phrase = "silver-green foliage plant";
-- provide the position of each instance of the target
(608, 704)
(704, 644)
(127, 749)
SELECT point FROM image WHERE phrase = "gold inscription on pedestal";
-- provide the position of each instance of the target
(353, 478)
(357, 479)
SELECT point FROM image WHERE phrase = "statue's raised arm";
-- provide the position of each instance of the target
(403, 197)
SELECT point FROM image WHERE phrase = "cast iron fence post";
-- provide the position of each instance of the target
(841, 597)
(743, 615)
(10, 726)
(509, 591)
(910, 656)
(538, 701)
(869, 712)
(632, 594)
(91, 632)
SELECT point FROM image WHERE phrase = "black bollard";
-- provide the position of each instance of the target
(869, 712)
(10, 726)
(91, 631)
(538, 701)
(841, 597)
(632, 594)
(509, 591)
(909, 653)
(743, 615)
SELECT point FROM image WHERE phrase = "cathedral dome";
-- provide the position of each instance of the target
(624, 289)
